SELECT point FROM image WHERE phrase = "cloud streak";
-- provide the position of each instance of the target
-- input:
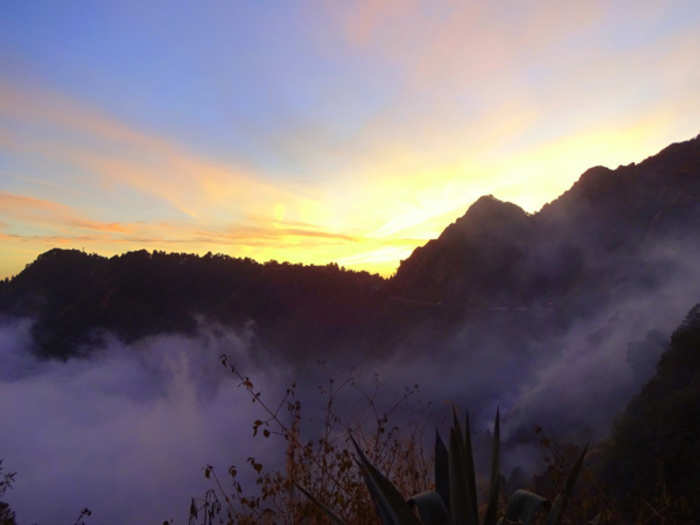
(39, 224)
(379, 119)
(124, 155)
(42, 212)
(223, 209)
(21, 207)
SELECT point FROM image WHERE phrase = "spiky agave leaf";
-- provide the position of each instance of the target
(470, 469)
(596, 519)
(463, 506)
(524, 505)
(381, 506)
(562, 500)
(390, 505)
(431, 508)
(458, 484)
(490, 517)
(332, 515)
(442, 470)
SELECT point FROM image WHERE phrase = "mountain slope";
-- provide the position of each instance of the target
(613, 227)
(656, 443)
(614, 237)
(75, 296)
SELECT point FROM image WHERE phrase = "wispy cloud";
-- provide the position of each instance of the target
(38, 225)
(85, 137)
(223, 208)
(403, 115)
(29, 211)
(43, 212)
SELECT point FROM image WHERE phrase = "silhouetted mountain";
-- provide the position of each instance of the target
(474, 259)
(595, 238)
(75, 296)
(503, 272)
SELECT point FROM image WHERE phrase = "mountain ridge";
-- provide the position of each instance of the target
(613, 231)
(605, 211)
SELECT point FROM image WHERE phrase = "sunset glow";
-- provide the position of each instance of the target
(319, 134)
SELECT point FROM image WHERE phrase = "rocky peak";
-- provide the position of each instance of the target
(488, 214)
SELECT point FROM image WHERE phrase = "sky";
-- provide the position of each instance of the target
(314, 131)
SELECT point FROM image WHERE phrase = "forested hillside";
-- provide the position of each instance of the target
(655, 448)
(615, 235)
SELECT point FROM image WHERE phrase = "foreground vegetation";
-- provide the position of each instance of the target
(645, 473)
(7, 516)
(350, 476)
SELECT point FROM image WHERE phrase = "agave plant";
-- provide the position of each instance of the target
(454, 502)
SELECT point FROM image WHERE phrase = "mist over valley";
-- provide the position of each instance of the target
(113, 394)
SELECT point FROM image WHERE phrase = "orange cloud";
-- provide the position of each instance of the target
(23, 208)
(32, 211)
(122, 155)
(26, 103)
(32, 226)
(466, 116)
(442, 44)
(363, 22)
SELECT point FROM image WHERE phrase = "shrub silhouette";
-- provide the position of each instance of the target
(7, 515)
(320, 484)
(324, 465)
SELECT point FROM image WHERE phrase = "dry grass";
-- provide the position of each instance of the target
(323, 465)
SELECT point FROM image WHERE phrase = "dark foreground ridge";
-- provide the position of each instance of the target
(612, 233)
(655, 447)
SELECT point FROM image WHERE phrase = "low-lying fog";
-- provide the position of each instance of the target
(127, 431)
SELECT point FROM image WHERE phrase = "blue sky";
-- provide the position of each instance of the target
(319, 131)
